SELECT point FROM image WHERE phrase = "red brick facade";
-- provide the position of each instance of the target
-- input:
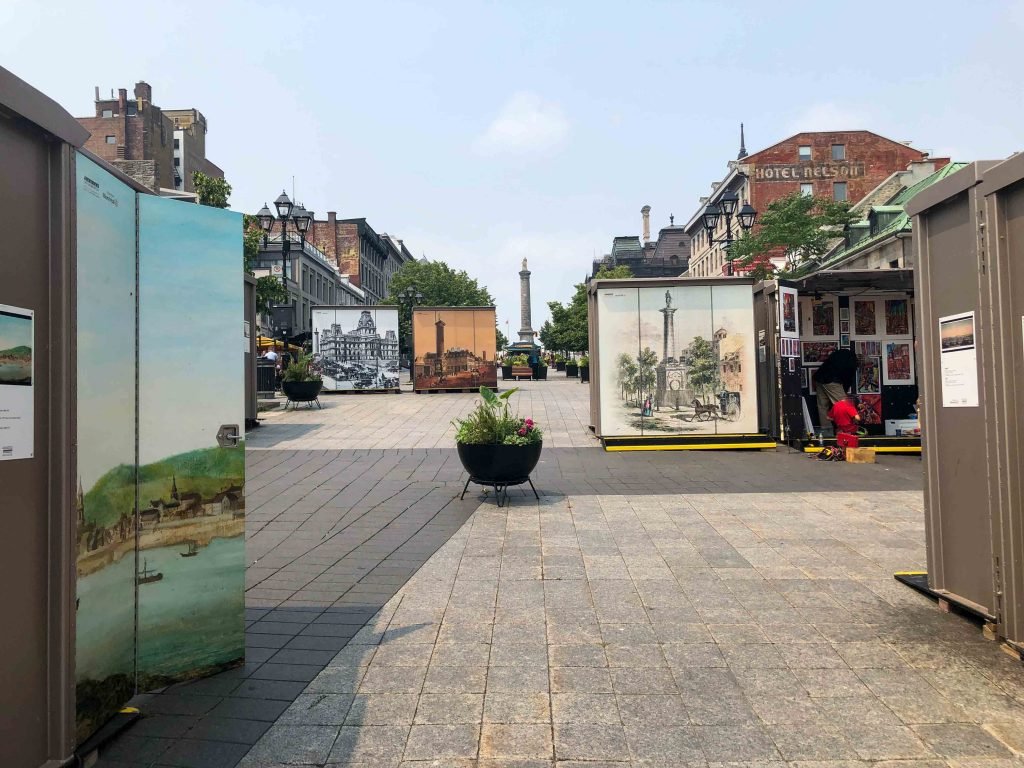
(869, 160)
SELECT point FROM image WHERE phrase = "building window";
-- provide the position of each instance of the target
(805, 152)
(111, 139)
(108, 113)
(177, 161)
(177, 143)
(839, 190)
(894, 264)
(807, 190)
(838, 151)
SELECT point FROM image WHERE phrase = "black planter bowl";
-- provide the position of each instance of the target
(302, 391)
(499, 466)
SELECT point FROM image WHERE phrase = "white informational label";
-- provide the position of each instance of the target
(17, 370)
(958, 361)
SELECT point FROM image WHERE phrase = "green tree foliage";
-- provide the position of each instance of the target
(702, 366)
(627, 372)
(211, 191)
(440, 285)
(568, 330)
(500, 339)
(800, 227)
(647, 375)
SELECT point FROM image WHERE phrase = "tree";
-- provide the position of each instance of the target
(440, 285)
(799, 227)
(701, 366)
(647, 374)
(211, 191)
(569, 331)
(627, 371)
(500, 340)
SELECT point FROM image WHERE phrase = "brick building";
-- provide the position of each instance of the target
(365, 258)
(156, 147)
(840, 165)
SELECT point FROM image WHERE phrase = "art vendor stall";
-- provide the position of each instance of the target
(672, 364)
(870, 312)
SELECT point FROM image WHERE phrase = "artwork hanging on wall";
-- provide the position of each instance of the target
(844, 340)
(868, 348)
(869, 375)
(454, 348)
(788, 307)
(678, 360)
(897, 317)
(844, 326)
(817, 351)
(844, 313)
(870, 409)
(356, 348)
(811, 370)
(864, 321)
(899, 363)
(806, 375)
(823, 318)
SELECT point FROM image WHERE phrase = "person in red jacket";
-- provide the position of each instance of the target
(846, 418)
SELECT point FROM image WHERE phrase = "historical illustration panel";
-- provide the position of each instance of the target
(356, 347)
(105, 501)
(677, 360)
(191, 475)
(454, 348)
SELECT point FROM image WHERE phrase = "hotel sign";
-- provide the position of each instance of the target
(808, 171)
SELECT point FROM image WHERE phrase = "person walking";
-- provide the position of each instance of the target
(833, 379)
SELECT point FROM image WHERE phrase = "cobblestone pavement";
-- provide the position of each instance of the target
(652, 609)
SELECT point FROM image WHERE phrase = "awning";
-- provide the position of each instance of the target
(864, 280)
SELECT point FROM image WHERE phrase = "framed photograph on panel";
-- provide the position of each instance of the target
(792, 365)
(844, 313)
(789, 315)
(844, 341)
(815, 352)
(898, 363)
(869, 376)
(867, 348)
(844, 326)
(823, 317)
(865, 317)
(897, 317)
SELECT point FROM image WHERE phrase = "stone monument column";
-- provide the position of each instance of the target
(526, 328)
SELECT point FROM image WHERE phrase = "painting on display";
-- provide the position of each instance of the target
(869, 375)
(17, 397)
(897, 317)
(864, 321)
(788, 308)
(870, 409)
(105, 498)
(868, 348)
(356, 347)
(454, 348)
(817, 351)
(677, 360)
(191, 472)
(899, 363)
(823, 318)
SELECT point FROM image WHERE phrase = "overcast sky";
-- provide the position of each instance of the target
(482, 133)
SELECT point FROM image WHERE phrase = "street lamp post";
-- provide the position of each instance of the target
(410, 297)
(287, 211)
(727, 207)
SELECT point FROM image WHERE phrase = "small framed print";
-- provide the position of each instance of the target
(792, 365)
(806, 384)
(844, 313)
(844, 326)
(844, 340)
(810, 380)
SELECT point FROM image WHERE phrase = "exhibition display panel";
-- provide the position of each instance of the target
(356, 347)
(454, 348)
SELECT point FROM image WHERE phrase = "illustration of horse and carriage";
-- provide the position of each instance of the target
(726, 409)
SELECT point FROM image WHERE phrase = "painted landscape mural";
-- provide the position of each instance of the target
(160, 521)
(677, 361)
(191, 560)
(105, 614)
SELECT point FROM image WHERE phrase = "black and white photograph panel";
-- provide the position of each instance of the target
(356, 347)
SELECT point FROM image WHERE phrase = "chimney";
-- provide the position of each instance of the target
(332, 224)
(645, 213)
(97, 93)
(144, 91)
(122, 101)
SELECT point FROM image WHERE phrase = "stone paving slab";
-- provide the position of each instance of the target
(605, 630)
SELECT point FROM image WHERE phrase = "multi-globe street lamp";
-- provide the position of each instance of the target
(287, 211)
(410, 297)
(726, 206)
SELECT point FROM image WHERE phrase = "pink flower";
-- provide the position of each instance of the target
(529, 422)
(522, 432)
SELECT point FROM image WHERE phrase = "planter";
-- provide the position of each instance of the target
(506, 372)
(499, 464)
(302, 391)
(584, 373)
(559, 366)
(541, 373)
(571, 370)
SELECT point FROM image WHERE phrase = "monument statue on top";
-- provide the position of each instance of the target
(526, 328)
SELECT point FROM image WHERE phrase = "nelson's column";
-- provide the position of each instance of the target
(526, 331)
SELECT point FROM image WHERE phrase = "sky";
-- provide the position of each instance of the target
(15, 330)
(483, 133)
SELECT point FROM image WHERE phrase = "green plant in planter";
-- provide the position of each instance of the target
(518, 360)
(584, 361)
(301, 370)
(492, 423)
(559, 358)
